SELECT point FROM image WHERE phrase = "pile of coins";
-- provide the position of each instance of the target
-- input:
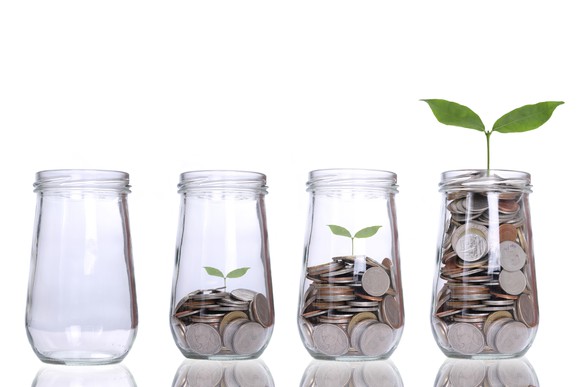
(214, 321)
(209, 373)
(353, 374)
(474, 373)
(486, 303)
(351, 307)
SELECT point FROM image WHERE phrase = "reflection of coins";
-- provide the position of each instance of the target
(250, 374)
(376, 281)
(330, 339)
(207, 373)
(333, 375)
(467, 373)
(512, 337)
(470, 243)
(515, 373)
(512, 256)
(376, 340)
(512, 282)
(203, 339)
(249, 338)
(466, 338)
(376, 374)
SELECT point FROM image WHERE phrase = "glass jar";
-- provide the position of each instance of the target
(351, 299)
(485, 303)
(222, 304)
(81, 306)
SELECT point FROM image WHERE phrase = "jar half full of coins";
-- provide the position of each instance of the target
(222, 303)
(485, 302)
(351, 299)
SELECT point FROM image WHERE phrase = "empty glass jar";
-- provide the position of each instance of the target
(485, 303)
(222, 303)
(81, 306)
(351, 299)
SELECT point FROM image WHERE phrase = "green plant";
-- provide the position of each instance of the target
(237, 273)
(522, 119)
(366, 232)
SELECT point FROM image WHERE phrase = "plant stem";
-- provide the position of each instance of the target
(487, 136)
(351, 246)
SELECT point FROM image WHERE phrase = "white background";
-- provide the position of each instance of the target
(156, 88)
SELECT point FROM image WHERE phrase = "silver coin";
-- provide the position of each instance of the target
(376, 281)
(330, 340)
(204, 373)
(376, 340)
(492, 330)
(249, 338)
(512, 338)
(527, 311)
(357, 331)
(466, 338)
(231, 329)
(391, 312)
(470, 242)
(203, 339)
(243, 294)
(440, 330)
(512, 256)
(512, 282)
(261, 310)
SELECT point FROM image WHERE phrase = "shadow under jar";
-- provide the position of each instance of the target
(485, 302)
(81, 306)
(222, 303)
(351, 299)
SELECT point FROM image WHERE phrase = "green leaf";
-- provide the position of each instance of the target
(367, 232)
(526, 118)
(238, 272)
(338, 230)
(452, 113)
(213, 271)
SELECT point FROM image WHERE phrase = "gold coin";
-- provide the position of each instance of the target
(495, 316)
(358, 318)
(228, 318)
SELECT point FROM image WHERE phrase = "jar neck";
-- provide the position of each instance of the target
(82, 180)
(363, 180)
(222, 182)
(496, 180)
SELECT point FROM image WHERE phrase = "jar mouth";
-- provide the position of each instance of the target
(81, 179)
(352, 178)
(499, 180)
(222, 179)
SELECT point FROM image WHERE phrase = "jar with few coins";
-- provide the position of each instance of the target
(222, 303)
(485, 302)
(350, 298)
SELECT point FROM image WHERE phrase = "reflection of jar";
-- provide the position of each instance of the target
(81, 376)
(81, 305)
(351, 300)
(352, 374)
(504, 372)
(222, 305)
(484, 298)
(243, 373)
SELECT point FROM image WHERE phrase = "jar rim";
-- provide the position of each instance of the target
(352, 178)
(222, 179)
(485, 180)
(99, 179)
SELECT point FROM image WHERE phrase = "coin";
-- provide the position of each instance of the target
(527, 311)
(243, 294)
(391, 312)
(229, 318)
(495, 316)
(358, 318)
(470, 242)
(508, 232)
(230, 331)
(512, 256)
(330, 340)
(466, 338)
(249, 338)
(260, 308)
(203, 339)
(376, 281)
(512, 338)
(512, 282)
(376, 340)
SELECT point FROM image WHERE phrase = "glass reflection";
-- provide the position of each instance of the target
(82, 376)
(211, 373)
(322, 373)
(488, 373)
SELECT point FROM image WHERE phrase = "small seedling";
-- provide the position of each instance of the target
(522, 119)
(366, 232)
(237, 273)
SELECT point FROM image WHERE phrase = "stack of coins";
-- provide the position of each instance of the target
(351, 307)
(474, 373)
(485, 277)
(208, 322)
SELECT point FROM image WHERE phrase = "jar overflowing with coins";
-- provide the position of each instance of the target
(351, 300)
(485, 302)
(222, 303)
